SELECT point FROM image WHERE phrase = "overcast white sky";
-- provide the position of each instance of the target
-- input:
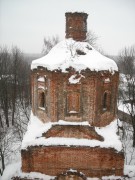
(26, 22)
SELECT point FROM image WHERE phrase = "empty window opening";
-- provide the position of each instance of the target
(42, 99)
(105, 101)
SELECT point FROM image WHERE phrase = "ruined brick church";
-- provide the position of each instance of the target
(74, 99)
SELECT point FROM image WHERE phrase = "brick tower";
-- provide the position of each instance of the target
(76, 84)
(76, 26)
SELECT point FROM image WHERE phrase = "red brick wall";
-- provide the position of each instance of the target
(89, 92)
(73, 131)
(93, 162)
(76, 26)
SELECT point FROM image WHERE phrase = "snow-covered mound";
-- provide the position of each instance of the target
(79, 55)
(33, 136)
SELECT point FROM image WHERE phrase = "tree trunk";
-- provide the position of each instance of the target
(2, 161)
(6, 117)
(6, 105)
(0, 172)
(1, 124)
(133, 136)
(14, 100)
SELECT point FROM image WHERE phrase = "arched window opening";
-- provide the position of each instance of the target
(105, 101)
(42, 99)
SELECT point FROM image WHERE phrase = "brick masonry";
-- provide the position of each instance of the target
(75, 102)
(73, 131)
(76, 26)
(93, 162)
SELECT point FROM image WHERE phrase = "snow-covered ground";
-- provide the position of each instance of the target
(36, 128)
(15, 170)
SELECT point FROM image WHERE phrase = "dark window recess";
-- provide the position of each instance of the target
(80, 52)
(105, 101)
(42, 99)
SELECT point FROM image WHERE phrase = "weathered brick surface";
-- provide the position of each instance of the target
(85, 98)
(73, 131)
(93, 162)
(76, 26)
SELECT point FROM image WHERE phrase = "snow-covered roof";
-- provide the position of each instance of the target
(78, 55)
(36, 128)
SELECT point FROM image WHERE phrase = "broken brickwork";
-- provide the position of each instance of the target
(76, 26)
(92, 99)
(93, 162)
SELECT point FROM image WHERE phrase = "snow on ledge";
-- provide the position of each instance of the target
(36, 128)
(41, 79)
(61, 122)
(65, 55)
(74, 80)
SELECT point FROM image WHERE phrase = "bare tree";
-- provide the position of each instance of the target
(5, 82)
(49, 43)
(92, 38)
(15, 102)
(9, 146)
(15, 65)
(127, 89)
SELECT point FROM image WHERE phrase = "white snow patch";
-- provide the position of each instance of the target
(11, 170)
(110, 136)
(34, 137)
(14, 170)
(107, 80)
(61, 122)
(41, 79)
(74, 79)
(41, 108)
(72, 111)
(129, 170)
(112, 178)
(64, 55)
(41, 87)
(35, 129)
